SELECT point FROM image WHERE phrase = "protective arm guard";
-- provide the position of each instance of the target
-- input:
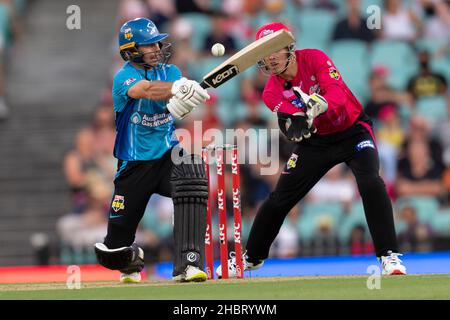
(126, 259)
(189, 195)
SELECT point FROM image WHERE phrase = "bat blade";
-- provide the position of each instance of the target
(247, 57)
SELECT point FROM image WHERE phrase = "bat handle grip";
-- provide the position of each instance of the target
(203, 84)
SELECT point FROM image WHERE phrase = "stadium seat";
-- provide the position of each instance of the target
(311, 214)
(441, 223)
(405, 113)
(230, 112)
(350, 57)
(426, 207)
(432, 108)
(314, 28)
(354, 218)
(306, 227)
(366, 3)
(201, 25)
(150, 222)
(430, 45)
(333, 209)
(442, 66)
(400, 59)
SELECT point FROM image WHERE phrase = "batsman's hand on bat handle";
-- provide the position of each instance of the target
(189, 91)
(315, 105)
(294, 126)
(187, 95)
(178, 108)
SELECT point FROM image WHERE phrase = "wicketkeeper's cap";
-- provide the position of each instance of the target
(269, 28)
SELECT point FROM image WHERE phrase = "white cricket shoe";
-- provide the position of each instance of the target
(191, 274)
(392, 265)
(134, 277)
(248, 266)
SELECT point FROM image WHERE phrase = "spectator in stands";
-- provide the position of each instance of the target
(161, 12)
(382, 94)
(80, 231)
(437, 20)
(286, 244)
(219, 34)
(104, 135)
(419, 130)
(183, 53)
(254, 186)
(325, 241)
(426, 83)
(390, 137)
(398, 22)
(389, 130)
(446, 182)
(417, 235)
(131, 9)
(184, 6)
(335, 186)
(326, 5)
(359, 244)
(443, 132)
(274, 9)
(77, 165)
(353, 26)
(10, 30)
(418, 175)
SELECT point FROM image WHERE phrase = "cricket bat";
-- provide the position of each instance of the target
(247, 57)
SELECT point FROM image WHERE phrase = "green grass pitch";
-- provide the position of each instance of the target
(349, 287)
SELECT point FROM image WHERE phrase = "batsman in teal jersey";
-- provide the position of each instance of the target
(148, 94)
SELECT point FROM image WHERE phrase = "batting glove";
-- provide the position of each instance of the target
(315, 103)
(178, 108)
(190, 92)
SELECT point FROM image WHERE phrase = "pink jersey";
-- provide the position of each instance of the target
(316, 74)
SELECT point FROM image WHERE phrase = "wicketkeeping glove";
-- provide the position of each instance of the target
(315, 103)
(295, 126)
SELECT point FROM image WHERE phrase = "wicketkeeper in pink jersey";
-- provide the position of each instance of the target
(319, 113)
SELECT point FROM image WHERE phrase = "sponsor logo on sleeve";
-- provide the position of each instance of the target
(129, 81)
(334, 73)
(365, 144)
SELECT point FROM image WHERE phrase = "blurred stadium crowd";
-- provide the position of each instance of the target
(10, 31)
(400, 73)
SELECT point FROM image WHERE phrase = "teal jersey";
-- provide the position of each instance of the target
(144, 131)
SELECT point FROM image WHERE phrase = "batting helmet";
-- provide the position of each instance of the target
(135, 33)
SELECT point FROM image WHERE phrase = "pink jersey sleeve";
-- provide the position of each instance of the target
(274, 99)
